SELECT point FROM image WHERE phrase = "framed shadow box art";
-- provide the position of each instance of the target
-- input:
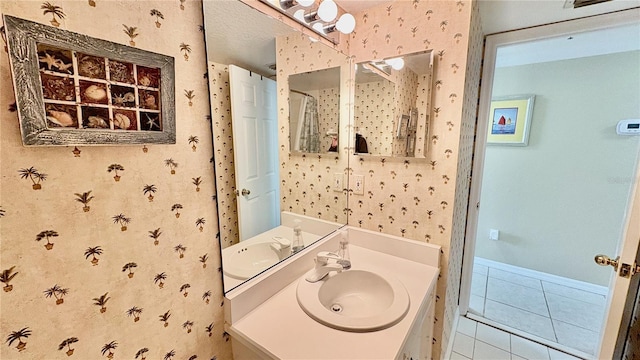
(72, 89)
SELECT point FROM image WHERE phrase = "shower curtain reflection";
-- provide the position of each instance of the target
(307, 137)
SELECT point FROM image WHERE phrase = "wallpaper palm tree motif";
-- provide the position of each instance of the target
(57, 292)
(84, 199)
(115, 168)
(19, 335)
(6, 276)
(93, 251)
(34, 175)
(155, 234)
(122, 220)
(132, 33)
(55, 11)
(46, 234)
(67, 344)
(82, 270)
(102, 301)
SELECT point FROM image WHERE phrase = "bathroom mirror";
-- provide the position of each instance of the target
(236, 34)
(314, 111)
(393, 106)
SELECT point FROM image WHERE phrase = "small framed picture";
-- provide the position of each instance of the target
(510, 120)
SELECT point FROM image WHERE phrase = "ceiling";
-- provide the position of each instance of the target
(504, 15)
(240, 35)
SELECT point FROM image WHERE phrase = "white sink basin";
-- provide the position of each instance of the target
(250, 260)
(354, 300)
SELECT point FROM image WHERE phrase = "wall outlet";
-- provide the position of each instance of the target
(358, 184)
(494, 234)
(338, 179)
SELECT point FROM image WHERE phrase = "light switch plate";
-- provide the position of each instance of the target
(358, 184)
(338, 179)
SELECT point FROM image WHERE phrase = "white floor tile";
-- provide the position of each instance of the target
(479, 285)
(456, 356)
(516, 295)
(575, 312)
(476, 303)
(483, 351)
(467, 326)
(515, 278)
(463, 345)
(480, 269)
(516, 357)
(493, 336)
(576, 337)
(528, 349)
(573, 293)
(559, 355)
(520, 319)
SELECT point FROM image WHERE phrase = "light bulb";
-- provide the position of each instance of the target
(313, 40)
(398, 64)
(299, 15)
(346, 24)
(328, 10)
(318, 27)
(305, 3)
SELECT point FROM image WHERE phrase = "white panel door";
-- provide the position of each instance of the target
(255, 147)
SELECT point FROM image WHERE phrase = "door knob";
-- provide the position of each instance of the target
(245, 192)
(604, 260)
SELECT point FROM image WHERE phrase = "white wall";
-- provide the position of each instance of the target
(561, 200)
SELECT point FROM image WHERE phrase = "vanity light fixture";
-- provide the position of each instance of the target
(288, 4)
(322, 16)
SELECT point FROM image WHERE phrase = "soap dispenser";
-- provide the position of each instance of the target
(343, 251)
(298, 243)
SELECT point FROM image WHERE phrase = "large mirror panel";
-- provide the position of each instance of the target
(392, 106)
(265, 51)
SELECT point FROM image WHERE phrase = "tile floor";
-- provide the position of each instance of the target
(560, 314)
(477, 341)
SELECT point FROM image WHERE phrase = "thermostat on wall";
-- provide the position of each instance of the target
(628, 127)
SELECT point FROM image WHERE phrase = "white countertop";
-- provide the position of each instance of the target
(282, 329)
(267, 236)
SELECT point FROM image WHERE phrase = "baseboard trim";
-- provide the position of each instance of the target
(576, 284)
(452, 336)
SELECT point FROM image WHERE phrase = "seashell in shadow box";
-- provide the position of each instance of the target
(121, 121)
(95, 93)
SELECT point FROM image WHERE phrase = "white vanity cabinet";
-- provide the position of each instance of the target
(420, 340)
(265, 320)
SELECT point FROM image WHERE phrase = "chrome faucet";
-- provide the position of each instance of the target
(323, 268)
(282, 246)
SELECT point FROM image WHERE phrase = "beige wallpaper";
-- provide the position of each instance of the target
(406, 97)
(113, 254)
(329, 115)
(425, 199)
(374, 106)
(306, 179)
(220, 97)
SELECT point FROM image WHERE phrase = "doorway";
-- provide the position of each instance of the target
(560, 195)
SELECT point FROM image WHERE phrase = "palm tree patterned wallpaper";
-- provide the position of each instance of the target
(220, 96)
(425, 200)
(306, 179)
(111, 252)
(374, 105)
(328, 115)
